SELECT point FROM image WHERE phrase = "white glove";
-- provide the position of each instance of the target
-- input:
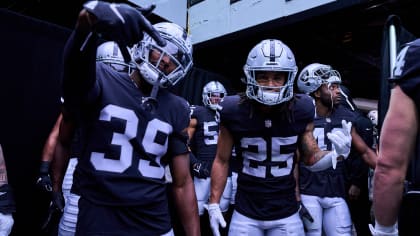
(380, 230)
(341, 140)
(216, 218)
(6, 223)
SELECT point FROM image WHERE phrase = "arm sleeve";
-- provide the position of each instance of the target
(79, 65)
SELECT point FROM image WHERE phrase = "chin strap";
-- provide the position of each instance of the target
(150, 104)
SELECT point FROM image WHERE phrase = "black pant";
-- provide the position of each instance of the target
(360, 213)
(408, 223)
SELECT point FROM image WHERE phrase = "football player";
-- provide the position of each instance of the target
(7, 201)
(393, 198)
(129, 122)
(323, 192)
(60, 141)
(266, 125)
(203, 132)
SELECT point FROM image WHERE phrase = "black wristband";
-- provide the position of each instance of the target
(7, 201)
(44, 168)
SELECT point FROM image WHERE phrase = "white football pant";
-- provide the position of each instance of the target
(330, 214)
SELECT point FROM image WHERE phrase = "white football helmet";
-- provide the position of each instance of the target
(314, 75)
(213, 89)
(270, 55)
(110, 54)
(178, 48)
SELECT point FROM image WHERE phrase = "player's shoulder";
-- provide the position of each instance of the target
(303, 106)
(343, 112)
(173, 100)
(196, 110)
(230, 101)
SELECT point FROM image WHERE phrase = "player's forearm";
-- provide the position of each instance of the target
(387, 195)
(79, 62)
(187, 209)
(219, 175)
(59, 165)
(370, 158)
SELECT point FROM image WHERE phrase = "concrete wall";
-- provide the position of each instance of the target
(213, 18)
(171, 10)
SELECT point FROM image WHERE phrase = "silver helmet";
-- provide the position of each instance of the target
(213, 89)
(314, 75)
(270, 55)
(109, 53)
(178, 48)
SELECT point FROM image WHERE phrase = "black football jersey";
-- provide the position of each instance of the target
(329, 182)
(266, 144)
(121, 161)
(204, 140)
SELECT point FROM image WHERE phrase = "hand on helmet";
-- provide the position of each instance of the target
(122, 23)
(216, 218)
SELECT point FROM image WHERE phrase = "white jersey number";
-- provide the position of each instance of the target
(124, 161)
(251, 159)
(211, 136)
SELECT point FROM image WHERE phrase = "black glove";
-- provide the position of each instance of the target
(201, 169)
(122, 23)
(44, 179)
(55, 211)
(304, 213)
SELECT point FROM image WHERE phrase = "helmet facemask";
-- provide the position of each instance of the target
(269, 95)
(213, 93)
(166, 65)
(270, 55)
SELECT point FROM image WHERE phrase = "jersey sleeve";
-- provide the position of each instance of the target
(178, 140)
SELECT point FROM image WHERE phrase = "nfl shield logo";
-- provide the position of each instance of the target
(267, 123)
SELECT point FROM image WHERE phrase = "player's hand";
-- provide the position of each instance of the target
(55, 210)
(341, 139)
(354, 192)
(6, 223)
(304, 213)
(122, 23)
(44, 179)
(201, 169)
(216, 218)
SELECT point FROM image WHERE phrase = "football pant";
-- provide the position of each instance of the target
(330, 214)
(241, 225)
(234, 187)
(202, 191)
(68, 221)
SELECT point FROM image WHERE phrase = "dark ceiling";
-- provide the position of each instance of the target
(349, 39)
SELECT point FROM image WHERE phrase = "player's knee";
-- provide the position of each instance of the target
(6, 223)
